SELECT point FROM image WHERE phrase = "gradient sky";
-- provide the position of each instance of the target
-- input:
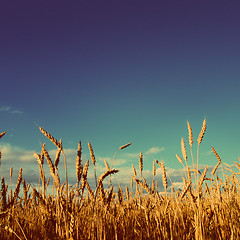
(113, 72)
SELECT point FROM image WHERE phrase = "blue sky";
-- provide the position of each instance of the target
(113, 72)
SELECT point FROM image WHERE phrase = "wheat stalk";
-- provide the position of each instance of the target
(120, 194)
(25, 190)
(9, 229)
(216, 154)
(11, 171)
(107, 173)
(131, 185)
(17, 189)
(93, 161)
(106, 165)
(164, 177)
(79, 167)
(102, 193)
(154, 169)
(219, 161)
(200, 137)
(100, 184)
(141, 163)
(122, 147)
(84, 176)
(52, 168)
(143, 184)
(179, 159)
(202, 179)
(2, 134)
(40, 164)
(92, 154)
(190, 134)
(41, 200)
(185, 191)
(42, 154)
(190, 137)
(127, 193)
(89, 189)
(57, 157)
(125, 146)
(109, 199)
(3, 195)
(51, 138)
(203, 130)
(134, 171)
(189, 174)
(183, 148)
(153, 186)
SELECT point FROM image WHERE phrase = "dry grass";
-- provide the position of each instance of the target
(206, 208)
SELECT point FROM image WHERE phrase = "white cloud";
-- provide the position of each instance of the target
(5, 108)
(101, 159)
(15, 154)
(8, 109)
(154, 150)
(131, 155)
(178, 185)
(16, 112)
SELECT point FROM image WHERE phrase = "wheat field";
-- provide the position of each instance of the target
(207, 206)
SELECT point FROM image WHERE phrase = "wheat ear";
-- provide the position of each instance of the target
(79, 167)
(203, 130)
(219, 161)
(17, 189)
(93, 160)
(183, 148)
(11, 171)
(164, 177)
(141, 163)
(106, 164)
(50, 137)
(202, 179)
(107, 173)
(154, 169)
(143, 185)
(52, 168)
(2, 134)
(200, 137)
(3, 196)
(185, 191)
(134, 171)
(109, 199)
(84, 176)
(58, 153)
(40, 164)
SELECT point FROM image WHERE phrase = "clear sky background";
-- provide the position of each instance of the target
(113, 72)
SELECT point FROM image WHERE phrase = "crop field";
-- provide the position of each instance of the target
(206, 207)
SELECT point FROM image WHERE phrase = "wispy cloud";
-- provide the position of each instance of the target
(131, 155)
(155, 150)
(12, 154)
(16, 112)
(9, 109)
(5, 108)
